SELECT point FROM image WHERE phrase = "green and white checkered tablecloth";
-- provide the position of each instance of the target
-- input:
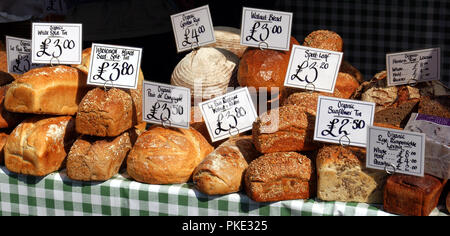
(56, 194)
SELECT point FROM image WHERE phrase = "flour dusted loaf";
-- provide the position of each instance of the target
(228, 38)
(412, 195)
(342, 176)
(166, 156)
(39, 146)
(222, 171)
(94, 159)
(48, 90)
(287, 128)
(105, 113)
(280, 176)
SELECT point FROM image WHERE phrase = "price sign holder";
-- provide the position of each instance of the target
(412, 67)
(167, 105)
(18, 54)
(266, 29)
(395, 151)
(343, 121)
(114, 66)
(229, 114)
(193, 28)
(56, 42)
(312, 68)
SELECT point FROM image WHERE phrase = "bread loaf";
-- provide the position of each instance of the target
(8, 119)
(342, 176)
(436, 106)
(3, 138)
(222, 171)
(105, 113)
(228, 38)
(324, 39)
(48, 90)
(39, 146)
(93, 159)
(288, 128)
(348, 68)
(280, 176)
(412, 195)
(346, 85)
(166, 156)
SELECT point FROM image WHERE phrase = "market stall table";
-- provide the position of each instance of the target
(56, 194)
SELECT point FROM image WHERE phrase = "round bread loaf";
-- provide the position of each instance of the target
(324, 39)
(346, 85)
(105, 113)
(228, 38)
(39, 146)
(264, 68)
(48, 90)
(349, 69)
(167, 156)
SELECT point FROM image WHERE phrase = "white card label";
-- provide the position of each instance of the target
(313, 69)
(229, 114)
(166, 105)
(413, 66)
(266, 29)
(18, 54)
(193, 28)
(395, 151)
(56, 43)
(114, 66)
(343, 121)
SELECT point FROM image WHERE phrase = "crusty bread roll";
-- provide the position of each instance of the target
(3, 138)
(346, 85)
(348, 68)
(48, 90)
(324, 39)
(93, 159)
(8, 119)
(412, 195)
(285, 129)
(105, 113)
(39, 146)
(280, 176)
(264, 67)
(166, 156)
(342, 176)
(222, 171)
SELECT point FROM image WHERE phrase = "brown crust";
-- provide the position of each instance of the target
(222, 171)
(348, 68)
(105, 113)
(38, 146)
(5, 77)
(3, 139)
(412, 195)
(7, 119)
(166, 156)
(279, 176)
(346, 85)
(324, 39)
(437, 106)
(264, 68)
(293, 131)
(92, 159)
(48, 90)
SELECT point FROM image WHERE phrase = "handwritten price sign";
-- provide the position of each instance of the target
(395, 151)
(193, 28)
(19, 55)
(266, 29)
(56, 43)
(343, 121)
(114, 66)
(313, 69)
(229, 114)
(166, 105)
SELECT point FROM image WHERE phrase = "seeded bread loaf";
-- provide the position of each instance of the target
(324, 39)
(280, 176)
(222, 171)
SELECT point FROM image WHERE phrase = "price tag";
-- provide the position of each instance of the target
(313, 69)
(193, 28)
(343, 121)
(114, 66)
(166, 105)
(266, 29)
(229, 114)
(56, 43)
(395, 151)
(18, 53)
(413, 66)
